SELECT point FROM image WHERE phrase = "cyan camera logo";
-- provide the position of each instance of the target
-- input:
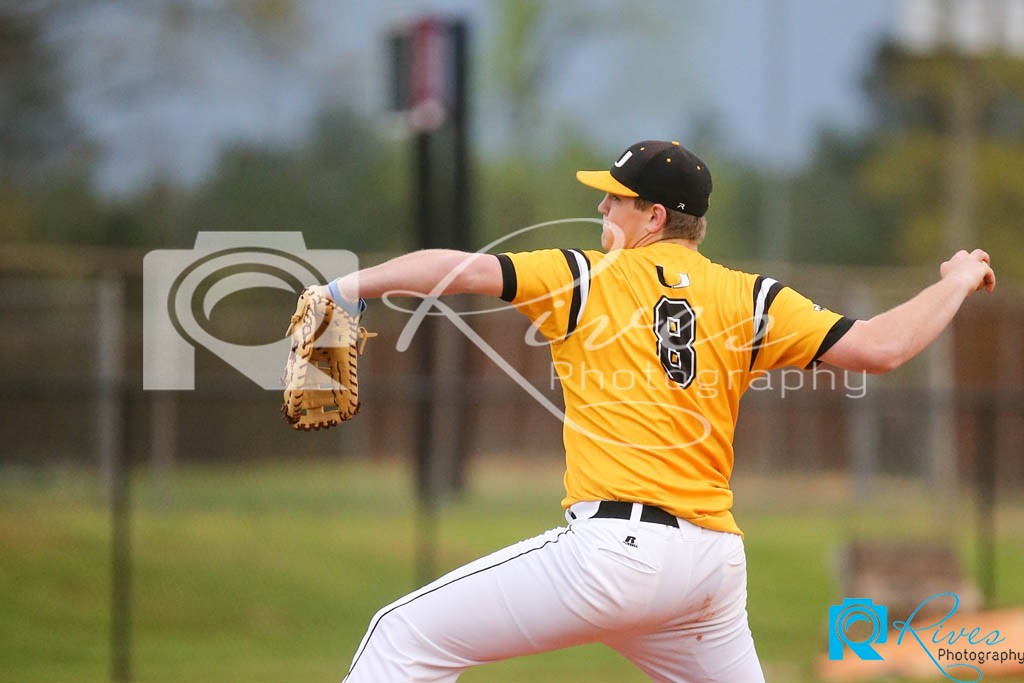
(861, 616)
(181, 288)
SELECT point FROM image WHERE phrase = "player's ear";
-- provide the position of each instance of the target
(656, 218)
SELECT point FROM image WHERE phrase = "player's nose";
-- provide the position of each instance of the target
(602, 208)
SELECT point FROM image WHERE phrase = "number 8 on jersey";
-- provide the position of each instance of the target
(674, 327)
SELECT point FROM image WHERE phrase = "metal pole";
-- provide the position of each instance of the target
(985, 486)
(863, 417)
(460, 118)
(462, 201)
(775, 205)
(163, 441)
(109, 376)
(960, 190)
(940, 426)
(114, 447)
(426, 485)
(121, 553)
(960, 234)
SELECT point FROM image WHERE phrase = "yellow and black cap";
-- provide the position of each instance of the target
(662, 172)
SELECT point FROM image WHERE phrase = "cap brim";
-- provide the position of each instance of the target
(603, 180)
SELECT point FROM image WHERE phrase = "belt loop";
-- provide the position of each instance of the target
(634, 515)
(584, 509)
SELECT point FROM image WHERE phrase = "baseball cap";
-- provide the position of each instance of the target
(661, 172)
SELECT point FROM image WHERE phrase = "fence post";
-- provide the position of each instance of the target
(984, 410)
(863, 416)
(114, 462)
(940, 421)
(109, 368)
(163, 439)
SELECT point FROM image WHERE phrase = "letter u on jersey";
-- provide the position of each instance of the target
(683, 279)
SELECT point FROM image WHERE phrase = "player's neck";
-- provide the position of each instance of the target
(649, 238)
(689, 244)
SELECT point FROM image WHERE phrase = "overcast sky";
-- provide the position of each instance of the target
(164, 103)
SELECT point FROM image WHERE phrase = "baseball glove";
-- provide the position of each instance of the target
(321, 378)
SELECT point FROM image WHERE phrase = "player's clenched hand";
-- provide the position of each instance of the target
(973, 269)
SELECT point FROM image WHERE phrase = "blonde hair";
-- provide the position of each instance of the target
(678, 225)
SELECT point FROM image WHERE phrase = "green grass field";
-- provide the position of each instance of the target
(270, 574)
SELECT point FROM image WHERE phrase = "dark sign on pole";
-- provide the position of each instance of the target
(424, 78)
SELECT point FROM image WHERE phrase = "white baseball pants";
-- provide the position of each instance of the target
(671, 600)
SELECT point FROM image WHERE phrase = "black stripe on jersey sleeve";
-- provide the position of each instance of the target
(585, 259)
(574, 306)
(835, 333)
(579, 285)
(761, 324)
(509, 284)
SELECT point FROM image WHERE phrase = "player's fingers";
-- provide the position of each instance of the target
(981, 255)
(946, 266)
(987, 281)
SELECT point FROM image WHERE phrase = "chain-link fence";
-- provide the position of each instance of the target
(72, 335)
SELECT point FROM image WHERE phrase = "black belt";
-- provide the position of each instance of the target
(617, 509)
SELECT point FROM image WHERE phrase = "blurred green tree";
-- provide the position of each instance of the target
(344, 188)
(949, 152)
(35, 130)
(39, 146)
(834, 220)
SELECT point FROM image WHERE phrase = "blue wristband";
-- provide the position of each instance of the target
(354, 308)
(332, 287)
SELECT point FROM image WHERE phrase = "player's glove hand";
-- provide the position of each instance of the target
(321, 377)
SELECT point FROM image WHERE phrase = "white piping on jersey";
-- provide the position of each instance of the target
(760, 321)
(584, 283)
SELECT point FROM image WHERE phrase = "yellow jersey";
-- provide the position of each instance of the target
(654, 346)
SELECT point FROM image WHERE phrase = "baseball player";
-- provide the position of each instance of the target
(654, 345)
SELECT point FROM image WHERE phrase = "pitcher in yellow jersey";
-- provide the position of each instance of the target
(651, 561)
